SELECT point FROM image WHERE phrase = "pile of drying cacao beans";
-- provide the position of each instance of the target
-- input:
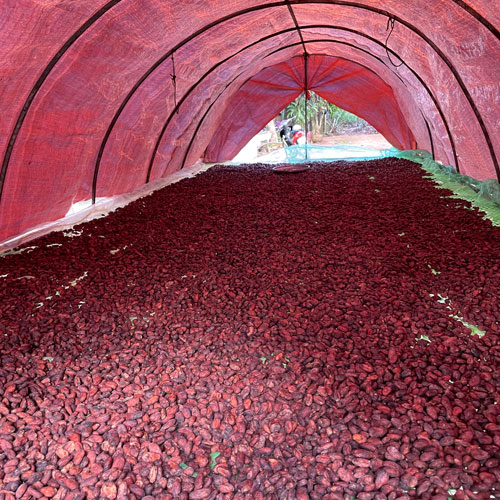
(243, 335)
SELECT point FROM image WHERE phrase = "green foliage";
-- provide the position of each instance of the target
(324, 117)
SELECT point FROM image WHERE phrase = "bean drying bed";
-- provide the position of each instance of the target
(247, 335)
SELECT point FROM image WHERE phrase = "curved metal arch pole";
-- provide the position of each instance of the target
(479, 17)
(280, 4)
(84, 28)
(202, 119)
(188, 149)
(41, 80)
(174, 111)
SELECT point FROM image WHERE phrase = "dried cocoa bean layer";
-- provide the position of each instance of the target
(246, 335)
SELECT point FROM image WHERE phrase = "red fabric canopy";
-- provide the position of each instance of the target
(344, 83)
(87, 97)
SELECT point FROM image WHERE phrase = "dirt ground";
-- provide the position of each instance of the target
(376, 141)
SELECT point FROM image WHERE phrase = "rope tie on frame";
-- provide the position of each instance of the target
(390, 25)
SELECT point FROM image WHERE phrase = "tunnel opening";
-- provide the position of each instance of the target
(318, 79)
(334, 134)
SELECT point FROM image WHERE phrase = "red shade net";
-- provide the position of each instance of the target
(89, 104)
(344, 83)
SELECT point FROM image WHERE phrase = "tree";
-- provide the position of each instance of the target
(324, 117)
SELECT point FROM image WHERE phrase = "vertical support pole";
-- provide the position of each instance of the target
(306, 120)
(292, 14)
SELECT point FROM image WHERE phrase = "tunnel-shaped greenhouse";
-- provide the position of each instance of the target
(231, 331)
